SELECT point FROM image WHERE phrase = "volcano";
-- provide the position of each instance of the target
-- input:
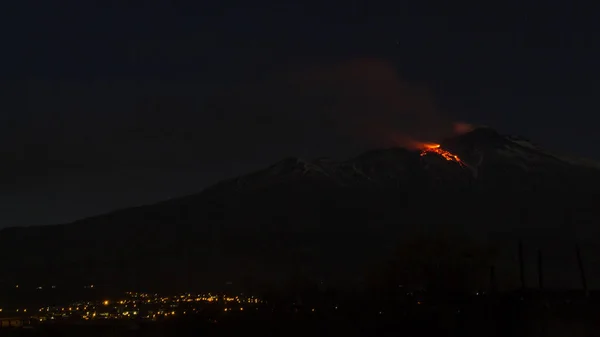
(326, 219)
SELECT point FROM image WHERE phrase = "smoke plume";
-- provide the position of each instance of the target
(362, 99)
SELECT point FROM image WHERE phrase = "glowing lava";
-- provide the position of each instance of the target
(436, 148)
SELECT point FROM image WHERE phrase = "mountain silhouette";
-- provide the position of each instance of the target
(328, 221)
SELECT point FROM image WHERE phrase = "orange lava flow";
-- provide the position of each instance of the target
(436, 148)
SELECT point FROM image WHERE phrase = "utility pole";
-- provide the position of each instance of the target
(521, 265)
(523, 220)
(493, 285)
(540, 270)
(581, 270)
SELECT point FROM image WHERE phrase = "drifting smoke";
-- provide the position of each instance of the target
(460, 128)
(362, 99)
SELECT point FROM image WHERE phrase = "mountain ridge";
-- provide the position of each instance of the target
(287, 216)
(325, 167)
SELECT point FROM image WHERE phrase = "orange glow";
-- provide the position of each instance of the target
(461, 128)
(436, 148)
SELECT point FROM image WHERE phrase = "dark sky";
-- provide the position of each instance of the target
(105, 104)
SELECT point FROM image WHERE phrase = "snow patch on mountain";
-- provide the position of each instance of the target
(481, 150)
(529, 151)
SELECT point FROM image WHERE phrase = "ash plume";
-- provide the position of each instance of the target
(361, 100)
(373, 103)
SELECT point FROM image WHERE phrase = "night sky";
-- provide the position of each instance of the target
(106, 105)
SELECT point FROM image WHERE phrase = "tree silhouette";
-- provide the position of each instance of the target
(440, 264)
